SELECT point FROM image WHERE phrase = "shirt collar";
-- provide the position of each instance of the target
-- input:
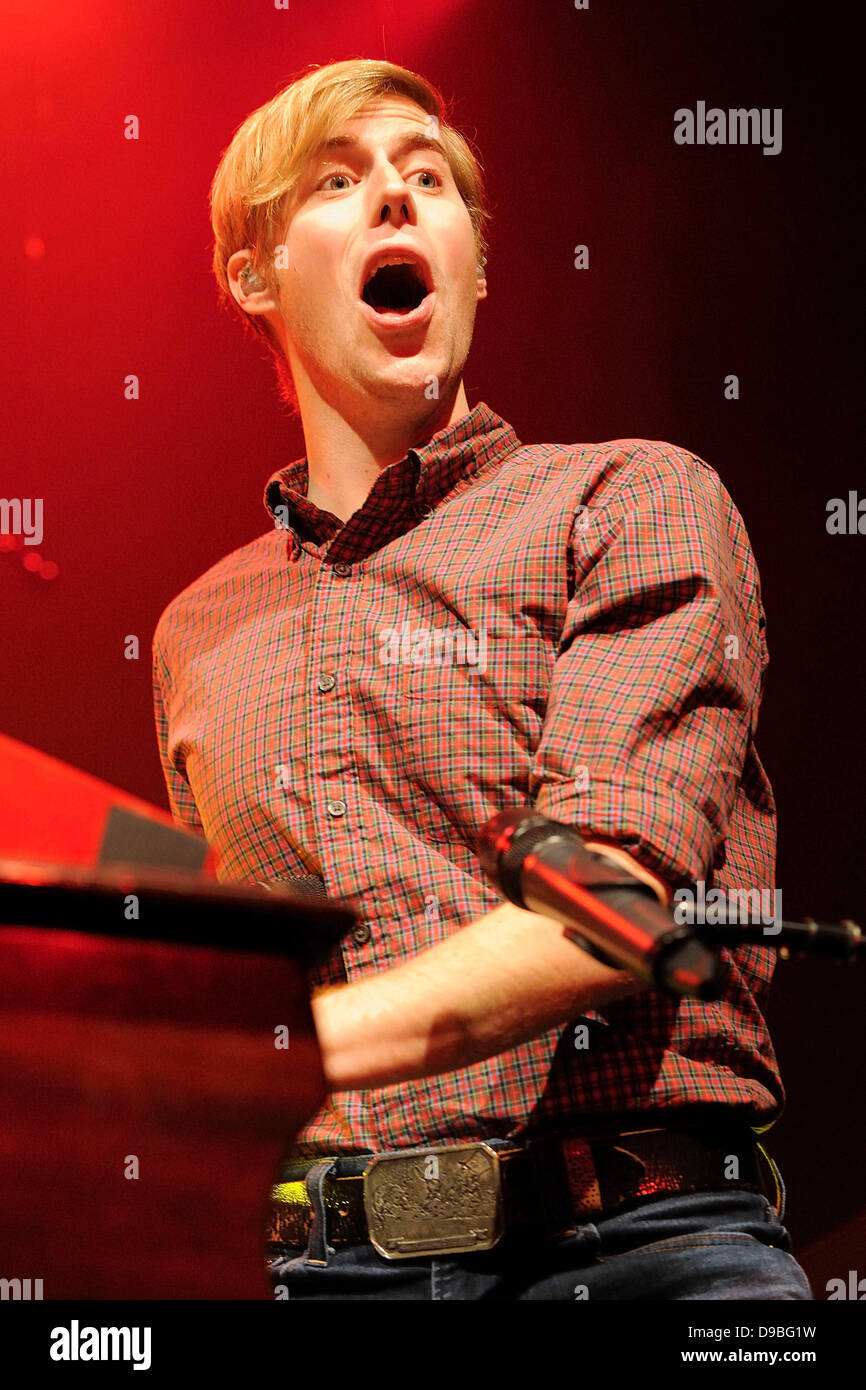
(427, 474)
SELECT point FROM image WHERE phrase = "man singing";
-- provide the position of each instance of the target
(440, 623)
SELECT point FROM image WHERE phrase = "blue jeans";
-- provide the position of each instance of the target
(714, 1245)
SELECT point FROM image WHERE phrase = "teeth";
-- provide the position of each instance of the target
(397, 260)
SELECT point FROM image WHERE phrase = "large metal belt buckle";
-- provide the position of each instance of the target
(441, 1201)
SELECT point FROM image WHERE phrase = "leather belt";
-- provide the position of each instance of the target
(457, 1198)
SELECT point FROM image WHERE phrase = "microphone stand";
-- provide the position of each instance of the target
(842, 941)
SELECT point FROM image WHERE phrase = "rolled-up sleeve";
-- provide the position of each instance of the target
(660, 669)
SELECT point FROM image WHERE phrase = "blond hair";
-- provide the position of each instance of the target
(259, 172)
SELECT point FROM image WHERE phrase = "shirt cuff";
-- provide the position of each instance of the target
(659, 828)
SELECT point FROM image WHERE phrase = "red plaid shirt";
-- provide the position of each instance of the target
(499, 624)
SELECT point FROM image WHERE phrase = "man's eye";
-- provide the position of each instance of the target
(427, 173)
(328, 179)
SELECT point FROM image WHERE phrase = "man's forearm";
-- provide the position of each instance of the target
(498, 982)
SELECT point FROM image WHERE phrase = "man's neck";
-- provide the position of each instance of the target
(346, 455)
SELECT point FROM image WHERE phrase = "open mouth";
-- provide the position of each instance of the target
(398, 287)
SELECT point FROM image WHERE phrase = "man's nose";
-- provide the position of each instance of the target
(394, 202)
(386, 216)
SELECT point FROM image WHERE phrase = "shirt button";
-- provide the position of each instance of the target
(361, 933)
(342, 568)
(326, 682)
(337, 808)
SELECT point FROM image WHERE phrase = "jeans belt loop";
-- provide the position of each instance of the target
(318, 1249)
(548, 1159)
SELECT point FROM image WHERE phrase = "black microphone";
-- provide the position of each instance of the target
(543, 866)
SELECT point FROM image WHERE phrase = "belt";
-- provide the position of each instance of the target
(457, 1198)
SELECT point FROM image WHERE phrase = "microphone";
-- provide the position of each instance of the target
(543, 866)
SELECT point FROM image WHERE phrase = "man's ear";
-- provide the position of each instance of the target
(247, 285)
(482, 285)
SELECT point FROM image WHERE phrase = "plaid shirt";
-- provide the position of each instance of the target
(500, 624)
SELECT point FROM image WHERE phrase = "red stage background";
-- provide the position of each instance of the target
(704, 261)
